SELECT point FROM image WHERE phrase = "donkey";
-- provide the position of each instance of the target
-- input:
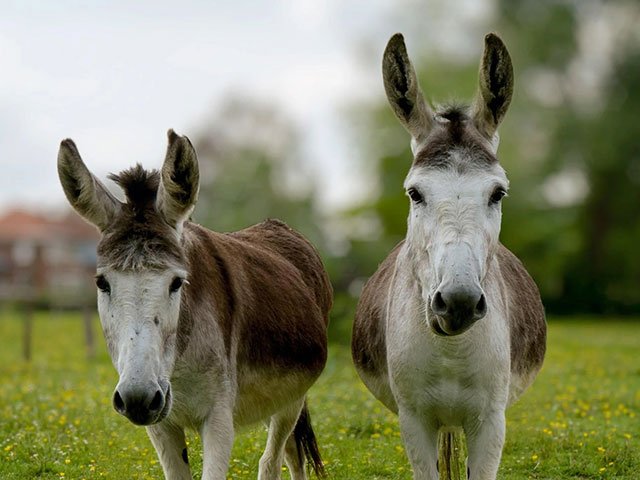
(450, 329)
(207, 331)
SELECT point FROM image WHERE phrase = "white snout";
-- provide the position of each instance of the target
(143, 402)
(458, 308)
(458, 301)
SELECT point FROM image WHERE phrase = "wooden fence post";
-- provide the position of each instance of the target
(87, 317)
(27, 330)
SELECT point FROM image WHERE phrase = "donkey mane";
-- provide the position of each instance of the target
(455, 132)
(454, 112)
(140, 186)
(139, 238)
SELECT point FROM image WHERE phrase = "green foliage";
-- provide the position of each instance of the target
(581, 254)
(544, 31)
(609, 222)
(579, 420)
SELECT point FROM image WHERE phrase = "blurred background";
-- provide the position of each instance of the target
(285, 105)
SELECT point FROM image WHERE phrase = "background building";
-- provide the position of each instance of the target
(49, 260)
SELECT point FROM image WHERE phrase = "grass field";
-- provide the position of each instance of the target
(580, 420)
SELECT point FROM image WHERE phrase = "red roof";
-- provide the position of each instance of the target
(21, 225)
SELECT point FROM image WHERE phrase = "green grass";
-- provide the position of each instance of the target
(580, 419)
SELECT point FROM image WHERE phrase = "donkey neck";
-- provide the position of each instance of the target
(208, 299)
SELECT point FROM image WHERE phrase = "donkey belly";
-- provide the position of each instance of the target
(260, 393)
(263, 392)
(519, 382)
(378, 383)
(279, 367)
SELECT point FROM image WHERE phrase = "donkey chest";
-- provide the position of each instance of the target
(449, 378)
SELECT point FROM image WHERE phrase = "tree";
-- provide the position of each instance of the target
(251, 170)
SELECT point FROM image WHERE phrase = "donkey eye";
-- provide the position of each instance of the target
(176, 284)
(102, 284)
(415, 195)
(497, 195)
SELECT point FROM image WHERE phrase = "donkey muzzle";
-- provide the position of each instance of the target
(457, 309)
(143, 404)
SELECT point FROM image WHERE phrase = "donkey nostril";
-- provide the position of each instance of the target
(481, 306)
(156, 403)
(439, 305)
(118, 403)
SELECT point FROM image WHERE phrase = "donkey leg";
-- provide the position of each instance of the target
(294, 459)
(420, 440)
(281, 426)
(217, 440)
(169, 442)
(485, 440)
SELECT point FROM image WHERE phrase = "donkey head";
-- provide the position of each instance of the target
(141, 268)
(455, 184)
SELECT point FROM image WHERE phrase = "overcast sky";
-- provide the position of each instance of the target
(115, 75)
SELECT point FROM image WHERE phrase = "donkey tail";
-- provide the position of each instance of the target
(306, 442)
(450, 461)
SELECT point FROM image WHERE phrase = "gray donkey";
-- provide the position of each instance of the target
(207, 331)
(450, 329)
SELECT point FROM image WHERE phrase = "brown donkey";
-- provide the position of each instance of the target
(208, 331)
(451, 329)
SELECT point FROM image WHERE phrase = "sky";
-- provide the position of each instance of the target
(114, 76)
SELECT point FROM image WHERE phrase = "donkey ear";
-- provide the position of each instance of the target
(495, 86)
(403, 91)
(86, 194)
(179, 181)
